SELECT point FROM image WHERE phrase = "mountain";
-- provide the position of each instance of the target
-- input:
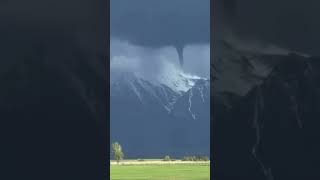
(153, 118)
(271, 130)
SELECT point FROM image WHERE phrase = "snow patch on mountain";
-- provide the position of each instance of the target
(170, 76)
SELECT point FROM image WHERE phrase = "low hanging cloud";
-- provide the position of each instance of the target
(154, 63)
(197, 60)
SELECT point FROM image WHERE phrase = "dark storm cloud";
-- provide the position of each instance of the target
(157, 23)
(292, 24)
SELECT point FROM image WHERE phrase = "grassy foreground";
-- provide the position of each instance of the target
(192, 171)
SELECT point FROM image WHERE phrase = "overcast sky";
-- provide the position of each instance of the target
(149, 30)
(158, 23)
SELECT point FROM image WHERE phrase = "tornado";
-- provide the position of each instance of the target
(179, 49)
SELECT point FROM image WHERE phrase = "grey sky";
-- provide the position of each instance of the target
(148, 31)
(161, 22)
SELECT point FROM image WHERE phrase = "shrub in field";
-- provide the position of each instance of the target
(117, 151)
(167, 158)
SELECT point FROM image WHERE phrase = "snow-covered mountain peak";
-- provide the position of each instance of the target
(177, 81)
(164, 89)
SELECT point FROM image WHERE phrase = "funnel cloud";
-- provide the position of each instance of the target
(156, 24)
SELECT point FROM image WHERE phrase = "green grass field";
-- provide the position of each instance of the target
(161, 172)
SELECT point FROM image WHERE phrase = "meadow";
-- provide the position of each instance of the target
(160, 170)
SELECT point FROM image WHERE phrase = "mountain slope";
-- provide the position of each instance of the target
(146, 116)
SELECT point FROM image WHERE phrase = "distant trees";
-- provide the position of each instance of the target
(117, 151)
(195, 158)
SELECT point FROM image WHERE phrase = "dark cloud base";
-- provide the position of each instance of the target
(155, 23)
